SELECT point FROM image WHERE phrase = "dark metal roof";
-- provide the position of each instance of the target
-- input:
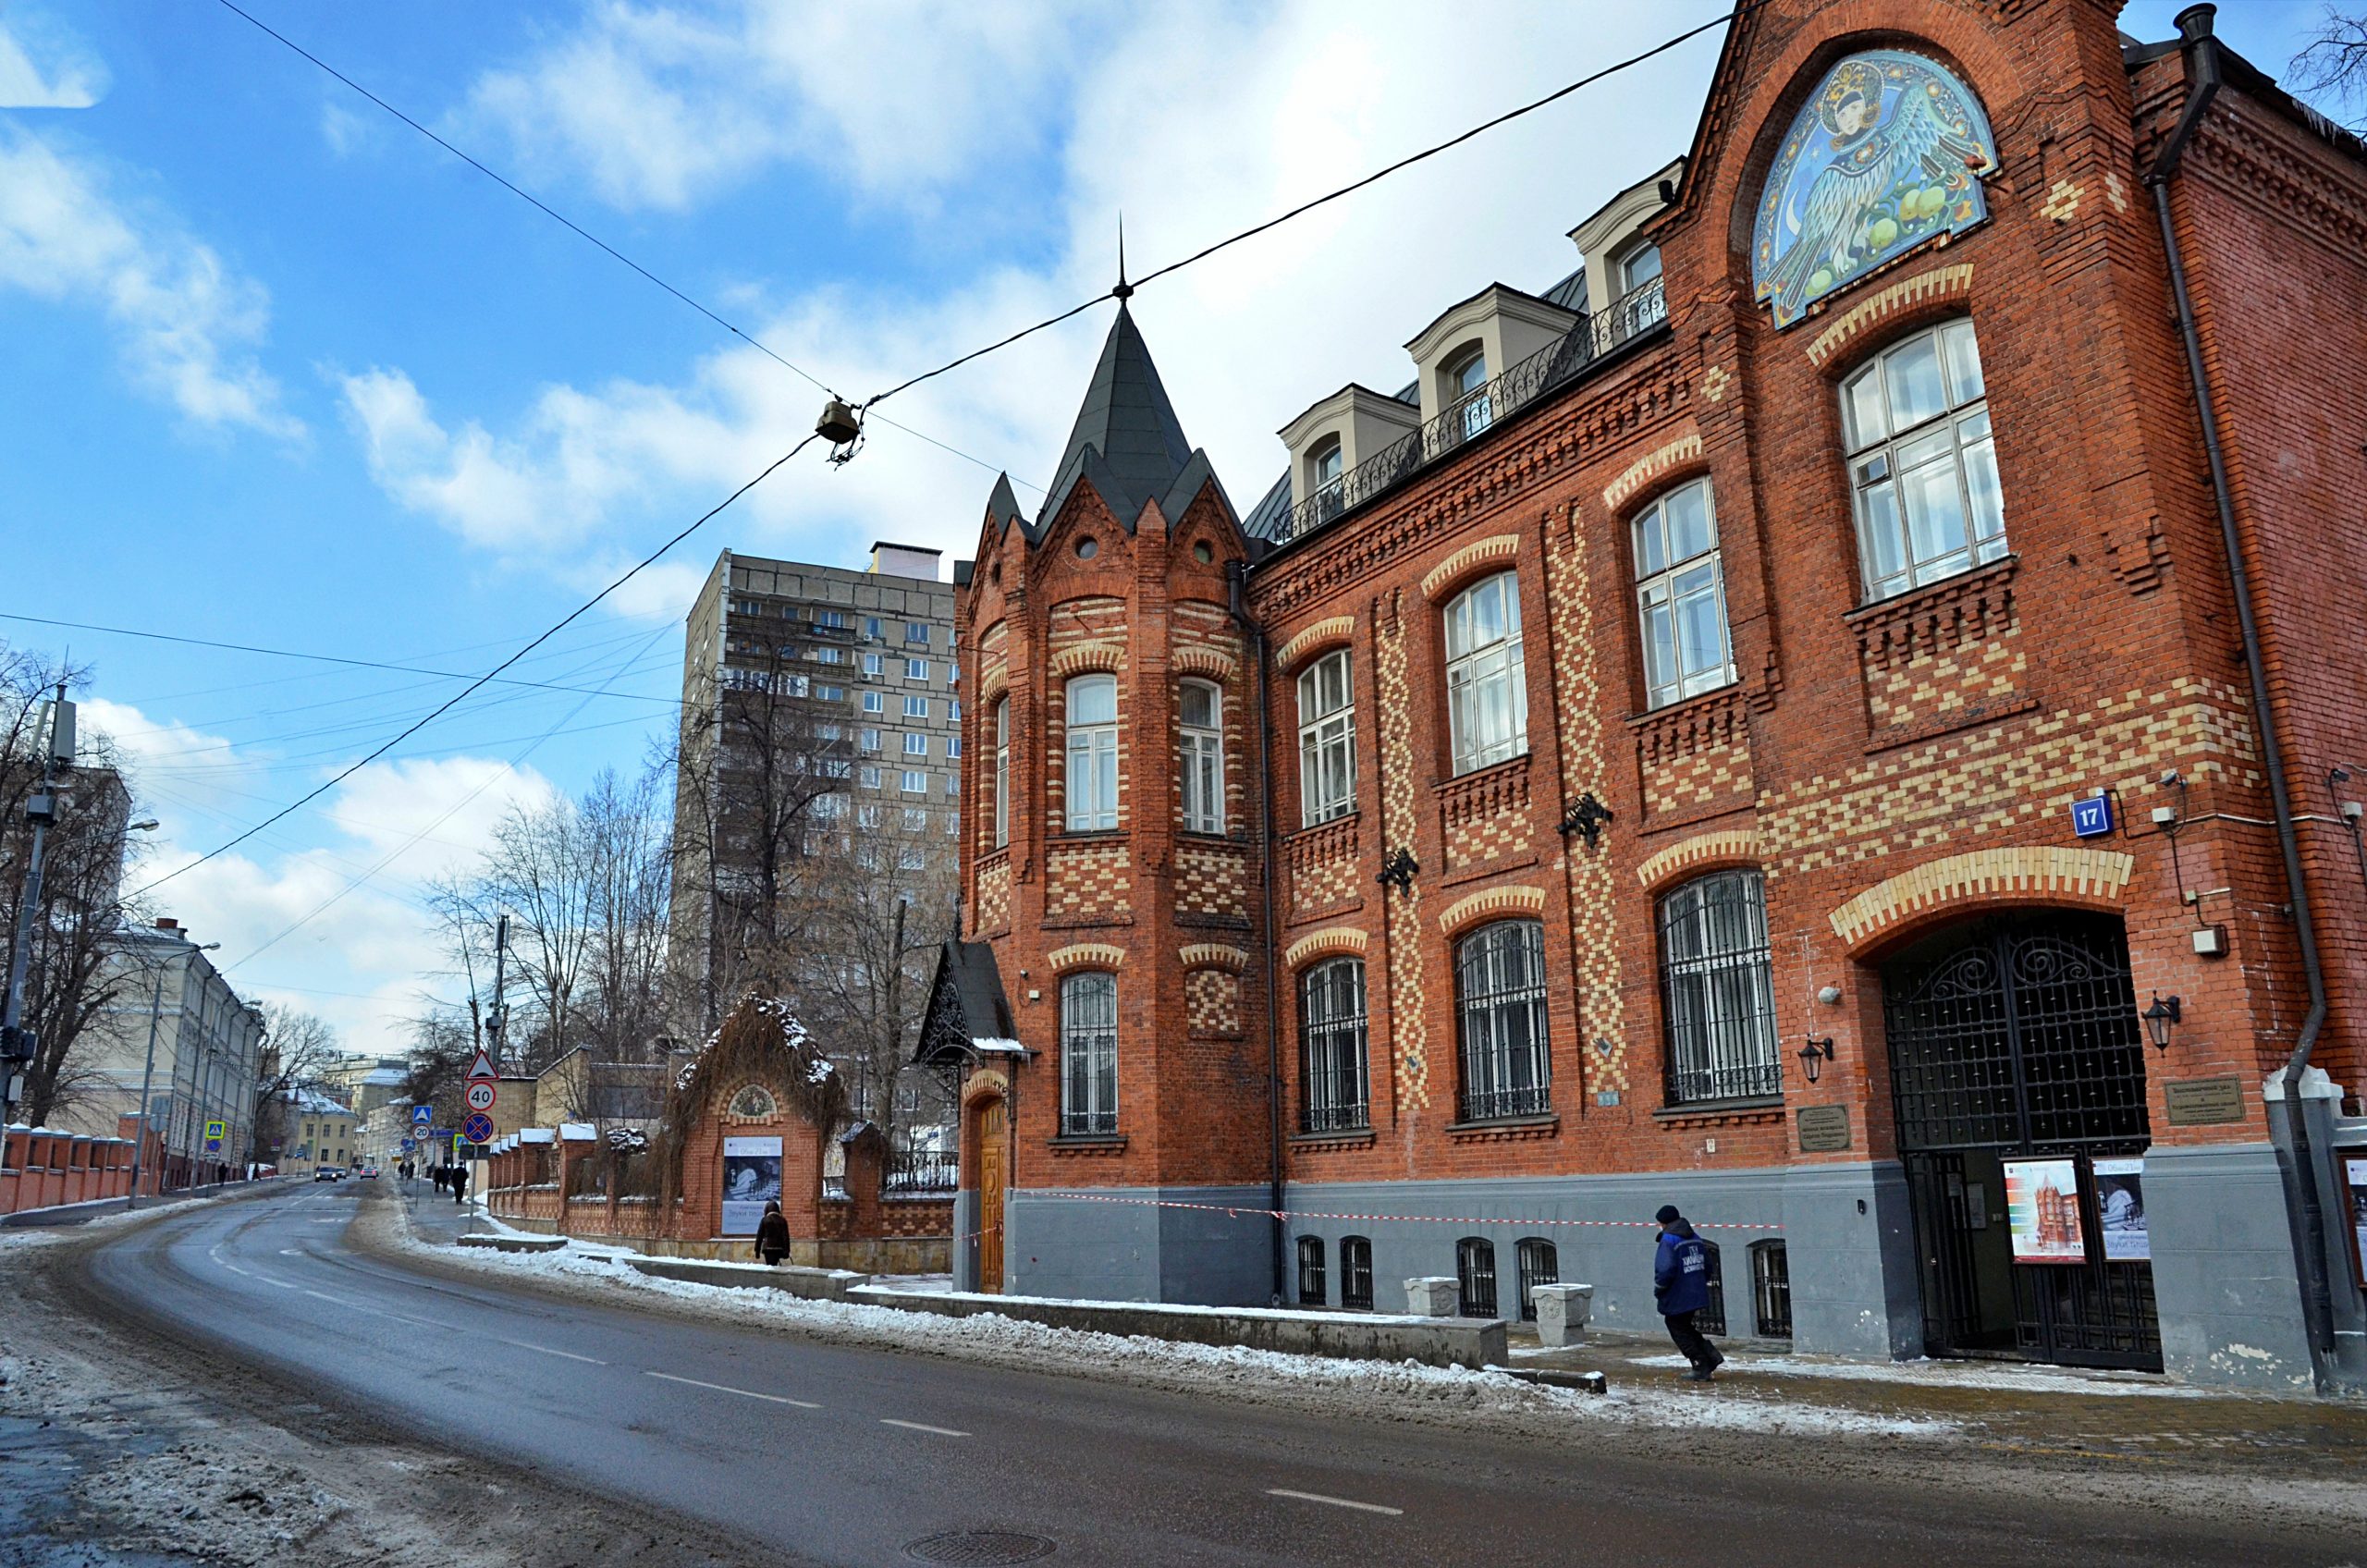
(1127, 438)
(966, 1004)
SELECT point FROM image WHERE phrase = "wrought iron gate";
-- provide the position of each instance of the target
(2014, 1038)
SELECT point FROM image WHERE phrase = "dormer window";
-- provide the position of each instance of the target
(1325, 466)
(1639, 267)
(1466, 380)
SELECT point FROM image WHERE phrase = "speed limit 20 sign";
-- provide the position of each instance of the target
(480, 1097)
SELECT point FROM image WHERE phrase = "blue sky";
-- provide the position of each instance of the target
(284, 373)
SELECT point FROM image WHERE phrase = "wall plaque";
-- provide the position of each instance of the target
(1824, 1129)
(2203, 1102)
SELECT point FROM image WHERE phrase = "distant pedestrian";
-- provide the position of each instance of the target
(772, 1235)
(1681, 1287)
(460, 1183)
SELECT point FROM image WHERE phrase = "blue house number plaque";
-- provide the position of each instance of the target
(2091, 816)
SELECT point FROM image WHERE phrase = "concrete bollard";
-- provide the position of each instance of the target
(1433, 1298)
(1561, 1312)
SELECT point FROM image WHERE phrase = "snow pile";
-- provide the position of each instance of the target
(1926, 1373)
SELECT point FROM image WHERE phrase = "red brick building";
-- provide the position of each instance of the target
(1768, 723)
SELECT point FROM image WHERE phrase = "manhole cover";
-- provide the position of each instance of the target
(979, 1546)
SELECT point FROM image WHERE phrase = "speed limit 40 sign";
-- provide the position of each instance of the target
(480, 1095)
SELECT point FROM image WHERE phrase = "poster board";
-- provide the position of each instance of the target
(2354, 1192)
(2120, 1210)
(2043, 1211)
(751, 1179)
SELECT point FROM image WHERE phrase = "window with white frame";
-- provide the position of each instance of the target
(834, 767)
(868, 740)
(1327, 739)
(954, 746)
(1487, 685)
(871, 626)
(1088, 1054)
(1002, 772)
(829, 732)
(1472, 410)
(916, 669)
(915, 707)
(916, 632)
(830, 693)
(1681, 596)
(953, 709)
(1922, 465)
(1335, 1093)
(1499, 1006)
(914, 818)
(871, 664)
(1200, 710)
(870, 779)
(793, 685)
(828, 655)
(916, 745)
(915, 782)
(837, 620)
(1718, 989)
(1092, 777)
(875, 702)
(867, 816)
(952, 786)
(1325, 466)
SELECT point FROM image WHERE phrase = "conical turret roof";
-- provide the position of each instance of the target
(1127, 431)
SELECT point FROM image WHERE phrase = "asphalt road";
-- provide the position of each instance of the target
(818, 1453)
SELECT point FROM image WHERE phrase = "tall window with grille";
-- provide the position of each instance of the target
(1922, 465)
(1327, 739)
(1475, 1274)
(1771, 1289)
(1200, 713)
(1355, 1272)
(1500, 1007)
(1334, 1089)
(1002, 772)
(1717, 989)
(1088, 1054)
(1092, 777)
(1681, 596)
(1540, 1264)
(1487, 685)
(1311, 1285)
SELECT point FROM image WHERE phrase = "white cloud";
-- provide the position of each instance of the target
(183, 320)
(43, 67)
(1193, 130)
(657, 106)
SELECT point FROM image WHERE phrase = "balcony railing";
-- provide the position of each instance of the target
(1476, 412)
(923, 1170)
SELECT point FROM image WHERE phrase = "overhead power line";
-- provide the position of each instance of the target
(322, 658)
(481, 680)
(1123, 289)
(582, 233)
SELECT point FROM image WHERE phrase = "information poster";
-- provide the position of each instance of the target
(2354, 1186)
(751, 1179)
(2120, 1210)
(2042, 1209)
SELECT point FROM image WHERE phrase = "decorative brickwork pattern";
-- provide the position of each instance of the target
(1501, 547)
(1490, 903)
(1702, 849)
(1322, 944)
(1696, 757)
(1483, 816)
(1082, 658)
(1578, 698)
(1409, 1041)
(1204, 642)
(1321, 862)
(1085, 955)
(1941, 659)
(1923, 289)
(1212, 881)
(1085, 884)
(994, 894)
(1640, 473)
(2030, 871)
(1213, 955)
(994, 662)
(1331, 629)
(1212, 1002)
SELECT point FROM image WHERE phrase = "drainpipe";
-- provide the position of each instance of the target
(2203, 78)
(1236, 575)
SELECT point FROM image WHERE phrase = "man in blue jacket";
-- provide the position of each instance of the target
(1681, 1286)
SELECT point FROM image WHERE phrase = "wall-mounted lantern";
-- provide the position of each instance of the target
(2158, 1018)
(1814, 1055)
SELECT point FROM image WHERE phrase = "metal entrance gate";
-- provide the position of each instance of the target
(2013, 1039)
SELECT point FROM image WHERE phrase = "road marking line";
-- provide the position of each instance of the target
(919, 1427)
(339, 1301)
(1334, 1501)
(743, 1393)
(545, 1350)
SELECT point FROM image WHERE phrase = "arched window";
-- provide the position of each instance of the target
(1092, 778)
(1639, 267)
(1771, 1289)
(1475, 1273)
(1718, 989)
(1487, 685)
(1499, 1006)
(1333, 1093)
(1472, 410)
(1540, 1264)
(1922, 464)
(1311, 1288)
(1681, 596)
(1355, 1272)
(1002, 772)
(1327, 739)
(1089, 1054)
(1325, 466)
(1200, 709)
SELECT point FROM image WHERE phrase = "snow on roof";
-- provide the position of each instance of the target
(536, 1135)
(578, 1131)
(995, 1045)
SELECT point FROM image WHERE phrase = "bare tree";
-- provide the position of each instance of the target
(2333, 65)
(627, 864)
(436, 1071)
(299, 1048)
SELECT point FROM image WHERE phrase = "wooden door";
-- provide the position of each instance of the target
(993, 1126)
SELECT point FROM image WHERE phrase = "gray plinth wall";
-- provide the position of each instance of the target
(965, 1240)
(1120, 1244)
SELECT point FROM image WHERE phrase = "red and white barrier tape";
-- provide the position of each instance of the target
(1236, 1210)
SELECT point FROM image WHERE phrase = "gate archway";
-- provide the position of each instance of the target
(2017, 1074)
